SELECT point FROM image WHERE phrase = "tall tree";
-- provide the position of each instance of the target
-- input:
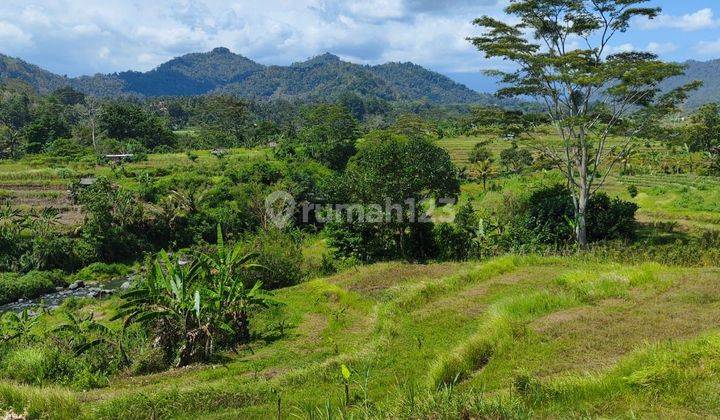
(329, 134)
(560, 49)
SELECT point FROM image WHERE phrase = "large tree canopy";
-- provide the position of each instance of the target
(560, 50)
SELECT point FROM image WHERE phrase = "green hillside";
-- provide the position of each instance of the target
(514, 337)
(322, 78)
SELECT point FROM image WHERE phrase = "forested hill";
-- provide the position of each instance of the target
(325, 77)
(707, 72)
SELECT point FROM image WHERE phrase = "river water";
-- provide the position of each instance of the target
(55, 299)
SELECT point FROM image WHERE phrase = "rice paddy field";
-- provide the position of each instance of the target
(686, 202)
(511, 337)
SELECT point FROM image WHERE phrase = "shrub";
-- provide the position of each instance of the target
(281, 258)
(55, 252)
(609, 219)
(66, 148)
(548, 213)
(456, 241)
(29, 286)
(101, 272)
(633, 191)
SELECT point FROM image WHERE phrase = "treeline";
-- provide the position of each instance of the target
(69, 123)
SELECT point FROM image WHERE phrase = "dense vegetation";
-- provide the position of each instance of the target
(355, 257)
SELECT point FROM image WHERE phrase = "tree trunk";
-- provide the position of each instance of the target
(243, 327)
(94, 142)
(580, 218)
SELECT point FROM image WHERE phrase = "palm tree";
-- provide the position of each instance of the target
(485, 170)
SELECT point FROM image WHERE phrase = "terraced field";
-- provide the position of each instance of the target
(516, 337)
(683, 203)
(36, 184)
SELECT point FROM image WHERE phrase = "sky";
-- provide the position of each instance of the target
(78, 37)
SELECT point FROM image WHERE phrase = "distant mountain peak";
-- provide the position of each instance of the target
(220, 50)
(327, 58)
(325, 77)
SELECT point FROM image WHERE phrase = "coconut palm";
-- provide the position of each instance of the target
(485, 170)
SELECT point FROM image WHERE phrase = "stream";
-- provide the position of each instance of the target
(55, 299)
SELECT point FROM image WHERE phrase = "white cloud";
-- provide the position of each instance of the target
(622, 48)
(86, 36)
(12, 35)
(699, 20)
(708, 47)
(661, 48)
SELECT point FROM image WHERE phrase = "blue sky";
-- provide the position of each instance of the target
(77, 37)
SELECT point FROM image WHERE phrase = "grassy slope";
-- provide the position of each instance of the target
(576, 338)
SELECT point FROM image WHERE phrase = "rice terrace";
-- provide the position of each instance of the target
(479, 210)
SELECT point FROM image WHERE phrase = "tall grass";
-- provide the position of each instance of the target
(47, 402)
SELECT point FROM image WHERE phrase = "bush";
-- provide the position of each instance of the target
(281, 258)
(55, 252)
(33, 284)
(66, 148)
(609, 219)
(548, 213)
(633, 191)
(455, 242)
(101, 272)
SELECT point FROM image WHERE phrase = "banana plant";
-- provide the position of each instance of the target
(228, 293)
(84, 332)
(167, 303)
(15, 326)
(192, 308)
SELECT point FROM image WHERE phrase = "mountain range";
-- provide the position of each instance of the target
(324, 77)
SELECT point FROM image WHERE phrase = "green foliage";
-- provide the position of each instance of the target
(329, 135)
(480, 153)
(548, 212)
(193, 310)
(129, 121)
(14, 286)
(568, 78)
(632, 190)
(49, 123)
(515, 159)
(704, 132)
(114, 222)
(280, 260)
(391, 171)
(458, 241)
